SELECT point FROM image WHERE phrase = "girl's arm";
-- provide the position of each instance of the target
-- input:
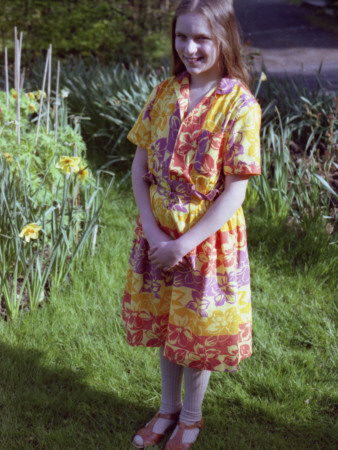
(152, 232)
(168, 254)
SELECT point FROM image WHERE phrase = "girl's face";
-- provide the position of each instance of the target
(197, 46)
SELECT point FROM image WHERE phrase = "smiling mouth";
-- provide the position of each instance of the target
(193, 60)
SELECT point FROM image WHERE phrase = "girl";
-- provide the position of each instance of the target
(188, 282)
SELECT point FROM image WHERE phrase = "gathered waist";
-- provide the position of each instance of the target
(179, 189)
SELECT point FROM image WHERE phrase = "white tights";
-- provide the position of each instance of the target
(195, 385)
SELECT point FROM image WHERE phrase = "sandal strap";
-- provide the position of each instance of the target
(172, 416)
(184, 426)
(176, 442)
(147, 434)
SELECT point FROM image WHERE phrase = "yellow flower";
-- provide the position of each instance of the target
(31, 95)
(32, 107)
(67, 164)
(8, 157)
(30, 231)
(263, 77)
(14, 93)
(83, 173)
(39, 93)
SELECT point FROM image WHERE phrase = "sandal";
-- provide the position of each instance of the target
(148, 436)
(176, 443)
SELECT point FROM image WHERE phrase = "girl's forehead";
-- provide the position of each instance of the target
(193, 24)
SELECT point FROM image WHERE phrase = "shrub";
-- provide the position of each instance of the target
(110, 29)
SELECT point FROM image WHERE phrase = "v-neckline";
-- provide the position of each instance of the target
(184, 97)
(205, 96)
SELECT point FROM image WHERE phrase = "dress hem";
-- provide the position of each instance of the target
(221, 353)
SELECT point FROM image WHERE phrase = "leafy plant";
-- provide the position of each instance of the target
(49, 201)
(41, 241)
(109, 100)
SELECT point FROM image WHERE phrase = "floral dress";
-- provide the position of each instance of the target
(199, 312)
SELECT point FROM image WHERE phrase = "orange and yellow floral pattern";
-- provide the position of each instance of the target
(200, 312)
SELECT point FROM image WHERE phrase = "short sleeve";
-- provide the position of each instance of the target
(242, 153)
(140, 134)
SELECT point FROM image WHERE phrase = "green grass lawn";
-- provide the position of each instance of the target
(69, 380)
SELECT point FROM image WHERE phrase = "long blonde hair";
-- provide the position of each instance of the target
(221, 17)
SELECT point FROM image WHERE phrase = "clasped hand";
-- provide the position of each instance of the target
(165, 253)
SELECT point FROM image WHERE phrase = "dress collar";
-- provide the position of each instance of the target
(225, 85)
(182, 85)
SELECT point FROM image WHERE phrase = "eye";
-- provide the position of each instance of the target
(203, 38)
(180, 36)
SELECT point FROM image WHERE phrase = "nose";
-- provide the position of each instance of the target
(191, 47)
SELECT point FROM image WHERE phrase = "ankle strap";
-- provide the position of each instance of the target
(185, 426)
(172, 416)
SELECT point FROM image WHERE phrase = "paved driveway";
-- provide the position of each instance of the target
(291, 39)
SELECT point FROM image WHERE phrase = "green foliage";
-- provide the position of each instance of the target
(37, 156)
(40, 240)
(110, 99)
(310, 112)
(48, 220)
(117, 29)
(299, 144)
